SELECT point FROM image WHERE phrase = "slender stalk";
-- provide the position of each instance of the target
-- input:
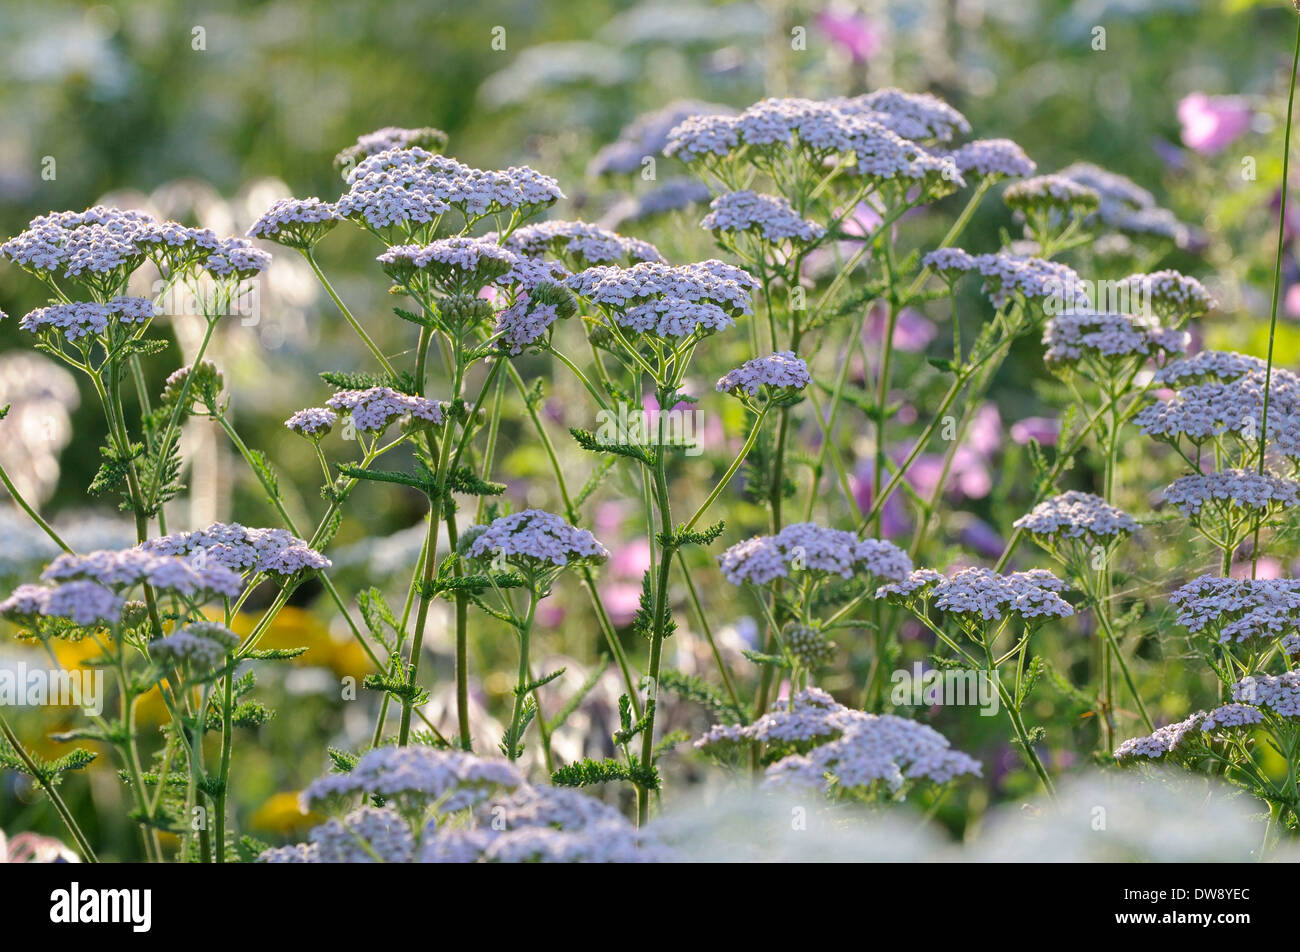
(60, 807)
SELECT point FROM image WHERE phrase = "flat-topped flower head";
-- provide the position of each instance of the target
(1076, 515)
(391, 137)
(982, 595)
(1280, 693)
(580, 244)
(80, 319)
(374, 409)
(1172, 296)
(366, 835)
(992, 160)
(202, 645)
(647, 135)
(808, 547)
(1232, 492)
(296, 222)
(415, 778)
(668, 301)
(1051, 194)
(1164, 741)
(534, 539)
(312, 422)
(1240, 610)
(1231, 717)
(236, 258)
(782, 372)
(414, 187)
(83, 601)
(1125, 206)
(1096, 341)
(275, 552)
(1009, 277)
(527, 323)
(769, 216)
(450, 264)
(813, 717)
(124, 569)
(1207, 366)
(919, 116)
(949, 263)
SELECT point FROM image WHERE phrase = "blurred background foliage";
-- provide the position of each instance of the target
(208, 112)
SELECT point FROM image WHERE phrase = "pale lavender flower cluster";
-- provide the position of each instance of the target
(993, 159)
(1125, 206)
(85, 602)
(534, 537)
(646, 137)
(982, 594)
(236, 258)
(417, 777)
(80, 319)
(373, 409)
(1231, 716)
(1008, 276)
(581, 243)
(524, 323)
(366, 835)
(534, 824)
(312, 422)
(451, 261)
(1076, 334)
(1238, 610)
(668, 301)
(295, 222)
(835, 748)
(1077, 515)
(949, 262)
(200, 644)
(919, 116)
(1203, 411)
(122, 569)
(839, 127)
(1232, 488)
(770, 215)
(240, 549)
(1165, 740)
(1208, 365)
(1171, 294)
(1051, 193)
(782, 371)
(391, 137)
(806, 546)
(404, 186)
(1280, 693)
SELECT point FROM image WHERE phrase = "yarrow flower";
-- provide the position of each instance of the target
(1208, 365)
(201, 644)
(240, 549)
(806, 546)
(580, 244)
(1171, 295)
(1008, 277)
(771, 216)
(80, 319)
(667, 301)
(1239, 610)
(917, 116)
(1231, 715)
(1074, 337)
(646, 137)
(1232, 491)
(450, 263)
(415, 777)
(415, 187)
(1164, 741)
(528, 321)
(391, 137)
(1077, 515)
(980, 594)
(1051, 194)
(832, 748)
(366, 835)
(312, 422)
(296, 222)
(1125, 206)
(236, 258)
(84, 602)
(122, 569)
(780, 371)
(534, 538)
(1280, 693)
(374, 409)
(993, 159)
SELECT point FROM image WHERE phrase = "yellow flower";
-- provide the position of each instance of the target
(281, 814)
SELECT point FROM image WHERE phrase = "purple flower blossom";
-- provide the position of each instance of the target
(1212, 123)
